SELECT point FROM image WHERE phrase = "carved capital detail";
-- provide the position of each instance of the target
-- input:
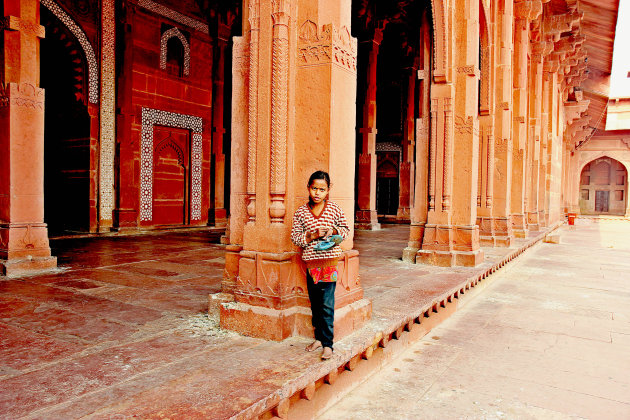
(328, 46)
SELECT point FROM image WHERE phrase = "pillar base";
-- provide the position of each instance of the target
(416, 234)
(19, 267)
(278, 324)
(450, 245)
(533, 223)
(450, 258)
(519, 225)
(495, 231)
(366, 220)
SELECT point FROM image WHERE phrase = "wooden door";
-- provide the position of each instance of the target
(171, 174)
(601, 201)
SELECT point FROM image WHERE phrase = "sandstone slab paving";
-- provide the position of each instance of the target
(121, 330)
(549, 339)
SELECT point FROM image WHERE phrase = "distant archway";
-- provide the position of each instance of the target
(603, 187)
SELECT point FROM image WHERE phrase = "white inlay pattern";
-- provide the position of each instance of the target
(108, 109)
(85, 44)
(151, 117)
(173, 15)
(174, 32)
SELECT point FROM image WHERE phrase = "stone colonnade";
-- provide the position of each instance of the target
(485, 146)
(498, 89)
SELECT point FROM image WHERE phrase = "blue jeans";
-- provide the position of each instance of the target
(322, 297)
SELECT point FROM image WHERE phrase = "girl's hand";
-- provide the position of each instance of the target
(325, 232)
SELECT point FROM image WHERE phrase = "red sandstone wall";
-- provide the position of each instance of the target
(145, 85)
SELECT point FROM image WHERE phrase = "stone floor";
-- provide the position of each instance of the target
(121, 330)
(549, 339)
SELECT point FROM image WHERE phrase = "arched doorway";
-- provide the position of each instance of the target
(67, 130)
(604, 187)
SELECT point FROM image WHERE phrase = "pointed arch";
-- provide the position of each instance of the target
(166, 36)
(88, 50)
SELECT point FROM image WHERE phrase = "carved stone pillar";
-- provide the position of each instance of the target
(366, 217)
(422, 179)
(524, 12)
(534, 140)
(24, 243)
(502, 156)
(407, 168)
(451, 234)
(299, 61)
(218, 130)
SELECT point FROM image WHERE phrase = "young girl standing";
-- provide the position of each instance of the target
(313, 223)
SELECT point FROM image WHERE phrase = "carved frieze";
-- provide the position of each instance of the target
(23, 95)
(330, 45)
(470, 70)
(465, 126)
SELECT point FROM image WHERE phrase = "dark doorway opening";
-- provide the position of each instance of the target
(66, 130)
(602, 201)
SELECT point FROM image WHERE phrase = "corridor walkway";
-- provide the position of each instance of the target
(549, 339)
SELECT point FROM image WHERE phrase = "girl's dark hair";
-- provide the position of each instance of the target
(319, 175)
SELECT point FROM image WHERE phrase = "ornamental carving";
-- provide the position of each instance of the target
(174, 33)
(151, 117)
(23, 95)
(465, 126)
(470, 70)
(330, 45)
(28, 28)
(174, 15)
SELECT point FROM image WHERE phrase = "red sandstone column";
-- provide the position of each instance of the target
(23, 234)
(534, 141)
(407, 168)
(504, 143)
(366, 217)
(421, 177)
(290, 60)
(451, 235)
(524, 11)
(220, 45)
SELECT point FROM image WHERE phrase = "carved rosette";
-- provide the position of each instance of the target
(252, 129)
(279, 108)
(432, 153)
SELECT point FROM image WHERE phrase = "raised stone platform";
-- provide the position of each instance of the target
(121, 330)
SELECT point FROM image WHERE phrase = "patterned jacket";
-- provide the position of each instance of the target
(304, 221)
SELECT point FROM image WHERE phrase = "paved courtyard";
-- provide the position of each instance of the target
(549, 339)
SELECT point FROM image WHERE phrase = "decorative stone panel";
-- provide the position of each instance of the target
(150, 118)
(174, 32)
